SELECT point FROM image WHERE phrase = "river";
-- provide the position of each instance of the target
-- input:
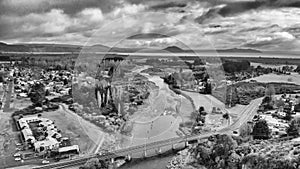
(159, 120)
(158, 162)
(160, 117)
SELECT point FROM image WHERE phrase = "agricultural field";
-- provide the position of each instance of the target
(293, 78)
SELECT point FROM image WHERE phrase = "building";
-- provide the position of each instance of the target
(51, 141)
(73, 148)
(48, 144)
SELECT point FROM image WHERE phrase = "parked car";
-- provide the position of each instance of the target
(45, 162)
(17, 155)
(18, 159)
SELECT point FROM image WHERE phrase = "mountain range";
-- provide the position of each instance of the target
(32, 47)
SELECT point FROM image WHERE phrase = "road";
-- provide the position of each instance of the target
(6, 102)
(246, 115)
(207, 101)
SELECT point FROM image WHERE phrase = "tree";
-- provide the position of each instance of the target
(208, 88)
(295, 123)
(94, 163)
(297, 108)
(297, 69)
(261, 130)
(202, 154)
(200, 118)
(201, 109)
(226, 116)
(217, 153)
(222, 150)
(266, 99)
(245, 130)
(288, 116)
(292, 129)
(47, 93)
(198, 62)
(270, 91)
(37, 94)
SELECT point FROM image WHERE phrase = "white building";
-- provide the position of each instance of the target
(49, 143)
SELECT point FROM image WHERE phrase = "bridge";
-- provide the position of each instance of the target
(246, 115)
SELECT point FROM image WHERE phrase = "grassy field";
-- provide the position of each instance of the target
(254, 64)
(272, 61)
(71, 128)
(267, 78)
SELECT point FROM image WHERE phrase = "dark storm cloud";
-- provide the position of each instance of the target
(294, 4)
(168, 5)
(226, 8)
(232, 7)
(282, 3)
(238, 7)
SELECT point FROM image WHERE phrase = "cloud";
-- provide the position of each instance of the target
(261, 24)
(284, 36)
(47, 25)
(167, 5)
(52, 23)
(239, 7)
(294, 30)
(271, 40)
(128, 9)
(282, 3)
(70, 7)
(209, 14)
(158, 42)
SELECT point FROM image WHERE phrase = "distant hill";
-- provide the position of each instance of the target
(233, 50)
(96, 48)
(237, 50)
(102, 48)
(174, 49)
(39, 48)
(148, 36)
(61, 48)
(13, 48)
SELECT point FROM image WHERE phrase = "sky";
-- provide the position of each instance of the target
(271, 25)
